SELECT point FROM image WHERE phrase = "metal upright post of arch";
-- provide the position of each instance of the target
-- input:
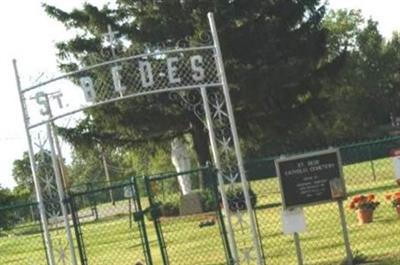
(256, 246)
(38, 188)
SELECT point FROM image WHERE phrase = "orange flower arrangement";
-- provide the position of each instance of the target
(364, 202)
(394, 199)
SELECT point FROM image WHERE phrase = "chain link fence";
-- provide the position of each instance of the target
(21, 238)
(368, 170)
(154, 222)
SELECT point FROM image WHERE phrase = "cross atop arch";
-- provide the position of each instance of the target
(110, 36)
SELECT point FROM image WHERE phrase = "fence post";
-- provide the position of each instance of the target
(77, 229)
(130, 212)
(92, 201)
(371, 163)
(138, 208)
(152, 208)
(214, 188)
(42, 234)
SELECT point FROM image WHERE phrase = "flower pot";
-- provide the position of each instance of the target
(365, 216)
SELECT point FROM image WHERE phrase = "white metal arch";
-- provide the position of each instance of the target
(139, 75)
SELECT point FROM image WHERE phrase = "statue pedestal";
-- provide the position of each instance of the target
(190, 204)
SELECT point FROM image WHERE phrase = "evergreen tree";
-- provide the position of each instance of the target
(274, 53)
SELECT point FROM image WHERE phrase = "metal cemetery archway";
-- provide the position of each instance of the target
(198, 68)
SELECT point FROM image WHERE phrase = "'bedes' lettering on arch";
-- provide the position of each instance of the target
(148, 73)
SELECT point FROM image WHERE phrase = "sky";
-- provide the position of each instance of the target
(29, 36)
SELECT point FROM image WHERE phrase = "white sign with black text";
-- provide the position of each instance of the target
(293, 221)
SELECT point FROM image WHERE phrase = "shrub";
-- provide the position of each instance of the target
(170, 208)
(207, 199)
(169, 204)
(236, 199)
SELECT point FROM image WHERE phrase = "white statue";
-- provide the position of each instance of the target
(181, 160)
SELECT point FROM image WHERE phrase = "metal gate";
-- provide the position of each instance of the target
(190, 227)
(109, 225)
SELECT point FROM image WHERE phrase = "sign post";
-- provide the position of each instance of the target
(345, 234)
(294, 223)
(312, 179)
(298, 248)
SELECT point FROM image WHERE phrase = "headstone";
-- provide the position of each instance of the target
(190, 204)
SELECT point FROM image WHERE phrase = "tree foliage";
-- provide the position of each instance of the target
(5, 199)
(5, 196)
(364, 94)
(298, 79)
(274, 56)
(88, 167)
(343, 28)
(22, 171)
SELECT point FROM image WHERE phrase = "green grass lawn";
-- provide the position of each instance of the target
(111, 241)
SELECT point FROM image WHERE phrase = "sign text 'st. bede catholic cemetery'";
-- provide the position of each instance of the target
(311, 179)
